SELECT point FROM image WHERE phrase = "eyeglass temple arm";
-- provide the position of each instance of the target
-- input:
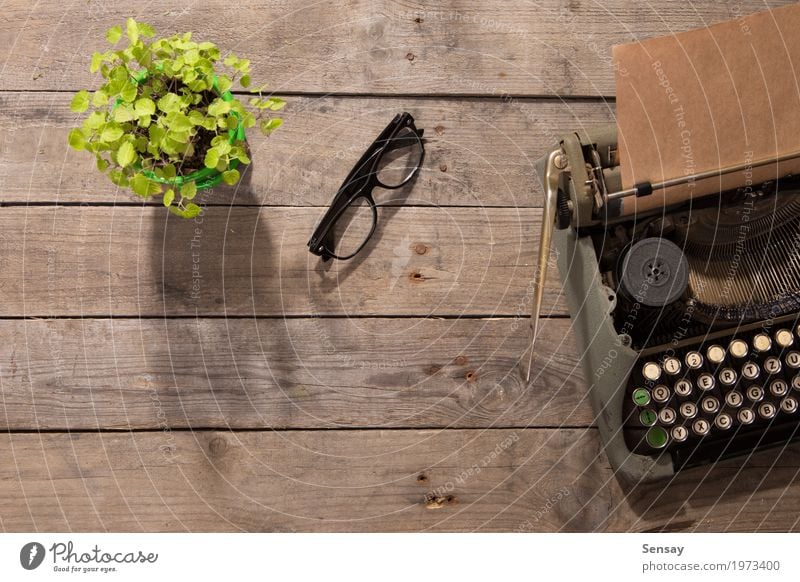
(548, 221)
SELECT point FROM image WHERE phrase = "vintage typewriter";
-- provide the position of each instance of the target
(686, 315)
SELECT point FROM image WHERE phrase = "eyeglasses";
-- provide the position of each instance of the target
(390, 162)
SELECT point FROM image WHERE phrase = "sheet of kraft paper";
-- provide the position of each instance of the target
(708, 99)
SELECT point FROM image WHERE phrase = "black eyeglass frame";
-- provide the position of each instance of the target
(359, 183)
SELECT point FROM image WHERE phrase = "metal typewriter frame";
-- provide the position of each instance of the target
(590, 302)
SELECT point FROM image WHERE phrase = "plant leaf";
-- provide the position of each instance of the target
(133, 30)
(144, 106)
(169, 196)
(192, 210)
(270, 125)
(113, 34)
(80, 102)
(111, 133)
(245, 81)
(99, 98)
(129, 91)
(189, 190)
(102, 164)
(230, 177)
(76, 140)
(126, 154)
(212, 159)
(123, 113)
(143, 186)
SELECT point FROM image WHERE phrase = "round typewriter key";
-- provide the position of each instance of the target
(738, 348)
(734, 399)
(667, 416)
(648, 417)
(751, 370)
(701, 427)
(784, 338)
(755, 393)
(651, 371)
(772, 365)
(767, 410)
(746, 416)
(796, 382)
(684, 388)
(688, 410)
(661, 394)
(657, 437)
(679, 433)
(727, 376)
(694, 360)
(641, 397)
(762, 343)
(793, 360)
(778, 388)
(789, 405)
(706, 382)
(672, 366)
(715, 354)
(723, 421)
(709, 404)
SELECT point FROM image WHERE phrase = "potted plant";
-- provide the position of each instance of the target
(165, 122)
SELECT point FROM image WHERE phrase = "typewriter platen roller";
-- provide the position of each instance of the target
(686, 312)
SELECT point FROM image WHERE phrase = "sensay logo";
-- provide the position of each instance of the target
(31, 555)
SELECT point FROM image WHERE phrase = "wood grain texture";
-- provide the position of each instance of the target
(452, 480)
(478, 152)
(91, 261)
(296, 373)
(553, 47)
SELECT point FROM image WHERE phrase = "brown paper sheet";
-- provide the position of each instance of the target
(709, 98)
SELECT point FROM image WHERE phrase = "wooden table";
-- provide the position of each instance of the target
(212, 375)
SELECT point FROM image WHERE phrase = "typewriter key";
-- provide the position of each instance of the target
(688, 410)
(709, 404)
(672, 366)
(723, 421)
(651, 371)
(716, 354)
(679, 433)
(727, 376)
(793, 360)
(641, 397)
(789, 405)
(762, 343)
(648, 417)
(796, 382)
(772, 365)
(738, 348)
(684, 388)
(661, 394)
(784, 338)
(751, 370)
(657, 437)
(667, 416)
(734, 399)
(778, 388)
(746, 416)
(767, 410)
(755, 393)
(706, 382)
(694, 360)
(701, 427)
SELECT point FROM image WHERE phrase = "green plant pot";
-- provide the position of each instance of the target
(207, 177)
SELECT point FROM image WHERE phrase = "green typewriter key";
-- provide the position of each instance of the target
(648, 417)
(641, 397)
(657, 437)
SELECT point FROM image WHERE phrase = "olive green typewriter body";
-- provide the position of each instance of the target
(686, 318)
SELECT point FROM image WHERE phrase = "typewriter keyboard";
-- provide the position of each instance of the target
(717, 398)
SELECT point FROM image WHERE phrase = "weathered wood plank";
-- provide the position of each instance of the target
(287, 481)
(296, 373)
(254, 261)
(555, 47)
(478, 153)
(453, 480)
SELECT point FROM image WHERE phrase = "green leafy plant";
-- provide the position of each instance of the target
(165, 122)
